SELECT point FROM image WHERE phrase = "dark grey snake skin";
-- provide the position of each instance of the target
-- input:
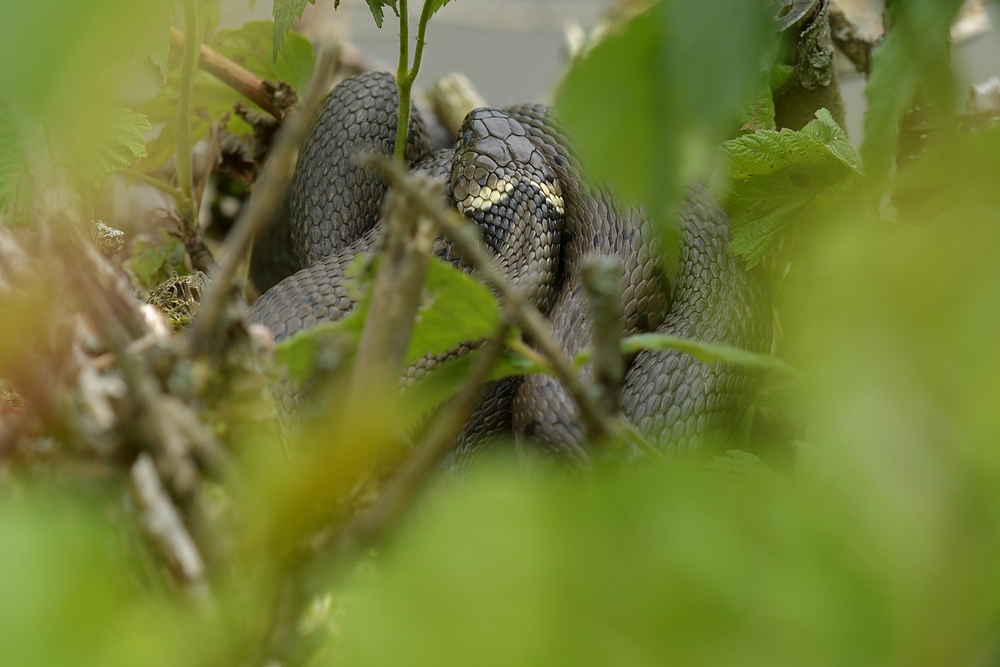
(513, 175)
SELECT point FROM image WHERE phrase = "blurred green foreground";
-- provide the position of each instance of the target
(879, 545)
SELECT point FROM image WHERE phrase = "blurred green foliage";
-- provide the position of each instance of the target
(156, 259)
(249, 46)
(648, 103)
(880, 547)
(773, 177)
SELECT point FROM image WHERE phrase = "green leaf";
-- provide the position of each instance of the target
(249, 46)
(436, 5)
(455, 308)
(773, 176)
(446, 378)
(152, 36)
(152, 262)
(285, 12)
(375, 6)
(304, 352)
(641, 565)
(647, 104)
(709, 353)
(18, 134)
(759, 114)
(119, 141)
(826, 131)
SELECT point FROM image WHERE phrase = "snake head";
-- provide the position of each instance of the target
(499, 177)
(502, 182)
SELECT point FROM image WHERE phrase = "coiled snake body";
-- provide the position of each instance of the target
(512, 173)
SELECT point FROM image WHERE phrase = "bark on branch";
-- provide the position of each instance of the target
(274, 97)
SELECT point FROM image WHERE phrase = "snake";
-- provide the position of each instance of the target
(514, 175)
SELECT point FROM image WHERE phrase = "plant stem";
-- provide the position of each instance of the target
(268, 192)
(521, 312)
(182, 125)
(403, 81)
(399, 494)
(233, 75)
(406, 75)
(418, 52)
(177, 195)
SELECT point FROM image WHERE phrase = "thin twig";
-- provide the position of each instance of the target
(641, 443)
(165, 527)
(851, 41)
(602, 279)
(162, 186)
(466, 237)
(213, 155)
(182, 125)
(263, 205)
(233, 75)
(397, 497)
(385, 339)
(452, 97)
(528, 353)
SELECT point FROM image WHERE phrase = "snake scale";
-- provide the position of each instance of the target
(512, 173)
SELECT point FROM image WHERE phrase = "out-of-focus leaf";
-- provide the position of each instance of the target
(955, 179)
(302, 352)
(446, 378)
(648, 102)
(119, 141)
(248, 46)
(914, 56)
(630, 568)
(152, 36)
(19, 138)
(285, 12)
(455, 308)
(61, 576)
(709, 353)
(154, 262)
(54, 50)
(773, 176)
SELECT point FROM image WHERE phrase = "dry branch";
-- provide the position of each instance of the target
(395, 297)
(163, 524)
(272, 97)
(599, 427)
(602, 279)
(397, 497)
(263, 205)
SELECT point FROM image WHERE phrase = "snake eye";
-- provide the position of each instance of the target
(467, 136)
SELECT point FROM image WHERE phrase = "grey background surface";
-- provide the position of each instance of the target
(514, 50)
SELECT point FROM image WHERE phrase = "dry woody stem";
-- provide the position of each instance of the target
(602, 279)
(263, 205)
(163, 524)
(400, 492)
(598, 426)
(395, 298)
(240, 79)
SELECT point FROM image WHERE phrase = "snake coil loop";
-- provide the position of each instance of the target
(513, 174)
